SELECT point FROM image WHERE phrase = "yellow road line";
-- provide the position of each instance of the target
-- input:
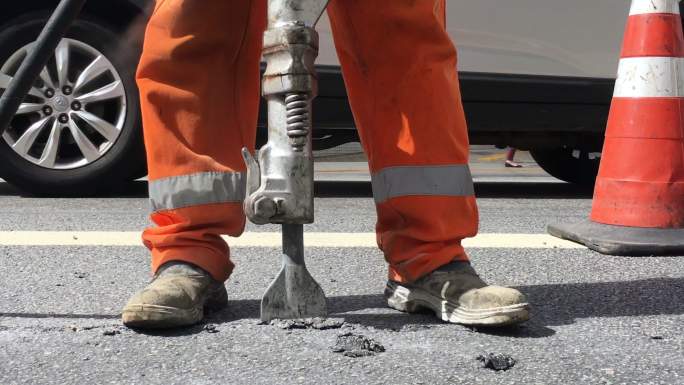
(269, 239)
(492, 158)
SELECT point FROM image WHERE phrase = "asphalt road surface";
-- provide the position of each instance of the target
(69, 265)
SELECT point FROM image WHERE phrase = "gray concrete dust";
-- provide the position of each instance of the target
(317, 323)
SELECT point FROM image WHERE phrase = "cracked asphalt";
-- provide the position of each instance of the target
(596, 319)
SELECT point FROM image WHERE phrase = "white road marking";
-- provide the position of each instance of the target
(270, 239)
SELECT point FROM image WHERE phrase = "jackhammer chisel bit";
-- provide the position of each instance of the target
(280, 178)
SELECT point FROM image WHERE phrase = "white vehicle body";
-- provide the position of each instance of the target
(536, 37)
(537, 75)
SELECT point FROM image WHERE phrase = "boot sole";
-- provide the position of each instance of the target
(414, 300)
(147, 316)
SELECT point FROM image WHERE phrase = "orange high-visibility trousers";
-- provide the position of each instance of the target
(199, 84)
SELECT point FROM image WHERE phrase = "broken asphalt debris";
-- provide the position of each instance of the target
(111, 332)
(412, 328)
(210, 328)
(496, 361)
(356, 345)
(317, 323)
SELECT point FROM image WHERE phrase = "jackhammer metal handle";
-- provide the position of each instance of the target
(283, 192)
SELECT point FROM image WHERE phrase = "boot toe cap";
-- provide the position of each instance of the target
(164, 303)
(490, 297)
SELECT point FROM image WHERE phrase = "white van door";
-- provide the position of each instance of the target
(536, 37)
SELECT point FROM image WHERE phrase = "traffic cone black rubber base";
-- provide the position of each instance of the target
(621, 240)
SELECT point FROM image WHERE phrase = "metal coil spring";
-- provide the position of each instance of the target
(298, 122)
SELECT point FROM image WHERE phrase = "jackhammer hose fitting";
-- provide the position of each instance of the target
(298, 119)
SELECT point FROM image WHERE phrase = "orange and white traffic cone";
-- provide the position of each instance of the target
(638, 206)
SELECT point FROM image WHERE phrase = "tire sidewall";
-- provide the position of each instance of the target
(561, 164)
(106, 170)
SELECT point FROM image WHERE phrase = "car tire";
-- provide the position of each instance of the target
(570, 165)
(124, 159)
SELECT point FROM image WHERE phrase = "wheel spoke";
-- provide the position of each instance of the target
(88, 149)
(49, 157)
(5, 81)
(96, 68)
(110, 91)
(27, 108)
(62, 61)
(46, 78)
(28, 138)
(106, 129)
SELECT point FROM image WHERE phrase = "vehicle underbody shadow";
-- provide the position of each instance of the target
(532, 190)
(132, 189)
(528, 190)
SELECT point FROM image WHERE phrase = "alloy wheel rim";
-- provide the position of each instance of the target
(75, 111)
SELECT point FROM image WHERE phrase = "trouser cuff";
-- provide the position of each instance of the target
(218, 266)
(414, 269)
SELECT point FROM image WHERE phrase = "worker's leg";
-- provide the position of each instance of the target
(199, 85)
(400, 70)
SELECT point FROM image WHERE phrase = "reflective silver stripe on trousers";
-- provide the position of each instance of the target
(197, 189)
(451, 180)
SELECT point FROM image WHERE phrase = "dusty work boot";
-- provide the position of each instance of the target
(457, 294)
(177, 296)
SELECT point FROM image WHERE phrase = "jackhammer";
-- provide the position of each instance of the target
(280, 179)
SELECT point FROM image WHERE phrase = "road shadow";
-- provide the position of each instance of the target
(562, 304)
(552, 305)
(372, 311)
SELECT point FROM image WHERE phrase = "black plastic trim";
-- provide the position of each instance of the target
(503, 109)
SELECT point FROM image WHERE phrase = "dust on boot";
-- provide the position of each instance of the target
(177, 296)
(457, 294)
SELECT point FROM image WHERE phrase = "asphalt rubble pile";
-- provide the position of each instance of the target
(317, 323)
(210, 328)
(496, 361)
(356, 345)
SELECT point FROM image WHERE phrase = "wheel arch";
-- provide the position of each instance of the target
(75, 181)
(118, 13)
